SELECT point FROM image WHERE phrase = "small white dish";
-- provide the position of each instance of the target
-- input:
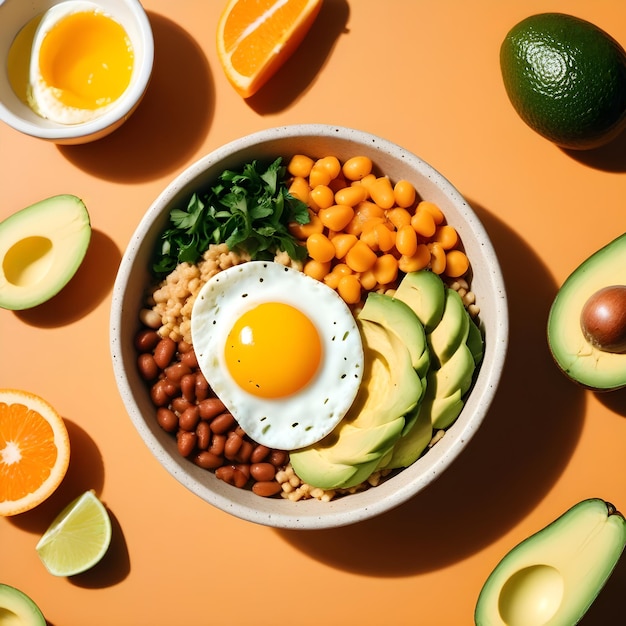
(15, 14)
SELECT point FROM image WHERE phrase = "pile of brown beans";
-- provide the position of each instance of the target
(206, 433)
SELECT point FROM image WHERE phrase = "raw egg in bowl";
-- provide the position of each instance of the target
(275, 364)
(74, 70)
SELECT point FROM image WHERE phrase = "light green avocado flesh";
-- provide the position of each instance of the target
(554, 576)
(17, 609)
(455, 345)
(41, 247)
(575, 356)
(400, 319)
(391, 388)
(424, 292)
(421, 352)
(452, 329)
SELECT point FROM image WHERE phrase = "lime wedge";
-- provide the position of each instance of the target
(78, 537)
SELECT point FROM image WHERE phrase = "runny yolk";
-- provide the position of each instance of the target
(88, 57)
(273, 350)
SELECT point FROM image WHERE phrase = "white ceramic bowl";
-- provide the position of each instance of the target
(133, 276)
(14, 14)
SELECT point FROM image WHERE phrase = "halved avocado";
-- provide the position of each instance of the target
(578, 358)
(41, 247)
(553, 576)
(17, 608)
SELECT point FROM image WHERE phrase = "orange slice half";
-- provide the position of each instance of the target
(255, 37)
(34, 451)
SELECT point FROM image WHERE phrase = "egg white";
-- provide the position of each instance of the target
(43, 98)
(307, 416)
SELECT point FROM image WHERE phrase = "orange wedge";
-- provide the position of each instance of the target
(34, 451)
(255, 37)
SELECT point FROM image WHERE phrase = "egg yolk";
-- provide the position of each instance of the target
(88, 58)
(273, 350)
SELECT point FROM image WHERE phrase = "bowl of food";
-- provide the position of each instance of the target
(308, 326)
(73, 70)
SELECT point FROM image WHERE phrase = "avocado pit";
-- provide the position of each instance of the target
(603, 319)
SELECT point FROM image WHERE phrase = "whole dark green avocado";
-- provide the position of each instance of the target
(566, 78)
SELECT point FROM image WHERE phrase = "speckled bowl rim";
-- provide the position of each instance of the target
(488, 284)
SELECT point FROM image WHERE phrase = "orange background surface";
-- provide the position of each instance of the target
(425, 75)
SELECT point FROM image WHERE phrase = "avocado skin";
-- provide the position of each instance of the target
(577, 551)
(581, 362)
(579, 108)
(14, 602)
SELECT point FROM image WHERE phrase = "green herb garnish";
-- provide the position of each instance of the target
(248, 210)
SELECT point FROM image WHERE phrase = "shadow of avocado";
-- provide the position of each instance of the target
(299, 72)
(614, 400)
(85, 471)
(514, 459)
(86, 290)
(608, 158)
(169, 124)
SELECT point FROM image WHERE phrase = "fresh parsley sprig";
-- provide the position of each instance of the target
(248, 210)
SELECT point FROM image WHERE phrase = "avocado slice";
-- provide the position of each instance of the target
(390, 389)
(475, 342)
(424, 292)
(41, 247)
(399, 317)
(456, 348)
(580, 360)
(413, 441)
(554, 576)
(443, 411)
(17, 608)
(454, 375)
(452, 329)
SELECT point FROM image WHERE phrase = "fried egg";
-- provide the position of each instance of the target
(280, 349)
(81, 62)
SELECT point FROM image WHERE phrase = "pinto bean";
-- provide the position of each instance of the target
(189, 418)
(232, 475)
(158, 393)
(176, 371)
(184, 346)
(167, 419)
(232, 445)
(188, 387)
(222, 423)
(226, 473)
(164, 352)
(245, 452)
(179, 404)
(146, 340)
(202, 387)
(259, 454)
(208, 460)
(210, 408)
(266, 489)
(278, 458)
(204, 435)
(189, 358)
(217, 445)
(186, 442)
(148, 369)
(262, 472)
